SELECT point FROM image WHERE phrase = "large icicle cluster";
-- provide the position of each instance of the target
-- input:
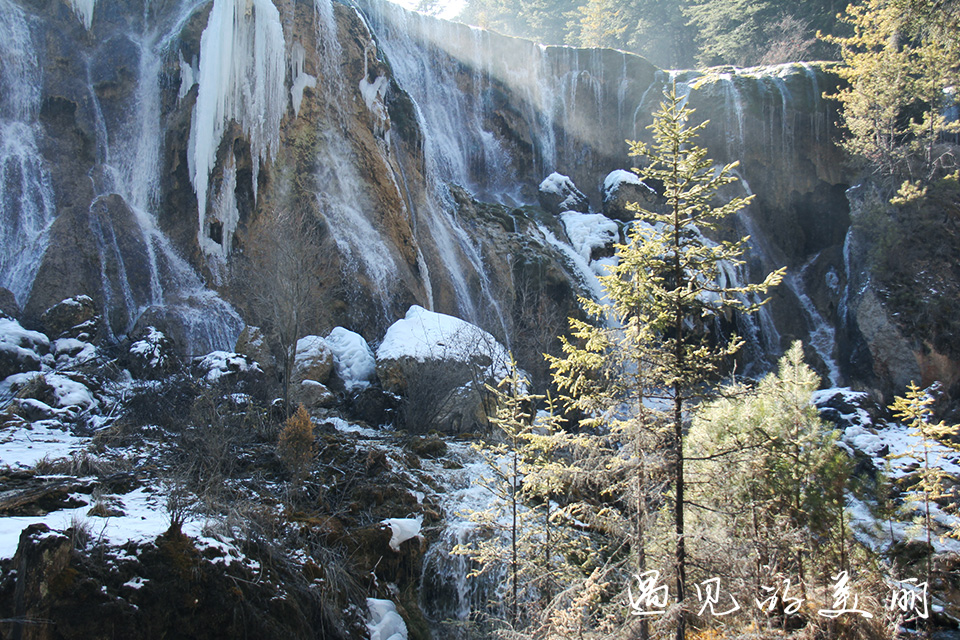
(242, 78)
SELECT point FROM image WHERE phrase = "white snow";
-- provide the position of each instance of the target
(70, 352)
(589, 231)
(557, 183)
(427, 335)
(890, 437)
(136, 583)
(24, 448)
(149, 347)
(145, 517)
(343, 426)
(385, 623)
(11, 332)
(242, 78)
(69, 393)
(615, 178)
(353, 359)
(403, 529)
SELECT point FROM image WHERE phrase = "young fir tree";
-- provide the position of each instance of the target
(523, 535)
(915, 410)
(651, 340)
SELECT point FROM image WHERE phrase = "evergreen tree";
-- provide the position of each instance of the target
(916, 411)
(521, 531)
(901, 66)
(770, 478)
(663, 297)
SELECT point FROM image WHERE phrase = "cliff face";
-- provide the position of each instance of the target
(144, 153)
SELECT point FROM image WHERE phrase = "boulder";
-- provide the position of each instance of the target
(228, 368)
(21, 350)
(438, 364)
(557, 194)
(621, 188)
(8, 304)
(71, 318)
(375, 406)
(312, 395)
(252, 343)
(313, 360)
(41, 564)
(153, 355)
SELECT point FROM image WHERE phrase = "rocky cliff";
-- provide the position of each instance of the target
(146, 146)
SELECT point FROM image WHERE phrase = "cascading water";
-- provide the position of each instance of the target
(26, 196)
(139, 268)
(447, 593)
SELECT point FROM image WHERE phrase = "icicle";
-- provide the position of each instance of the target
(242, 78)
(188, 77)
(301, 80)
(84, 11)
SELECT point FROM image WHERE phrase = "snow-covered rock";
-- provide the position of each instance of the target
(463, 351)
(622, 187)
(313, 360)
(353, 360)
(153, 355)
(72, 318)
(591, 234)
(70, 352)
(253, 344)
(21, 350)
(439, 364)
(557, 194)
(385, 623)
(216, 366)
(313, 395)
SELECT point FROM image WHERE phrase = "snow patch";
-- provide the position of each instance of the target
(12, 333)
(70, 393)
(589, 231)
(150, 347)
(217, 364)
(385, 623)
(557, 183)
(616, 178)
(403, 529)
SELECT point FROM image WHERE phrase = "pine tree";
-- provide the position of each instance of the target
(651, 340)
(769, 472)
